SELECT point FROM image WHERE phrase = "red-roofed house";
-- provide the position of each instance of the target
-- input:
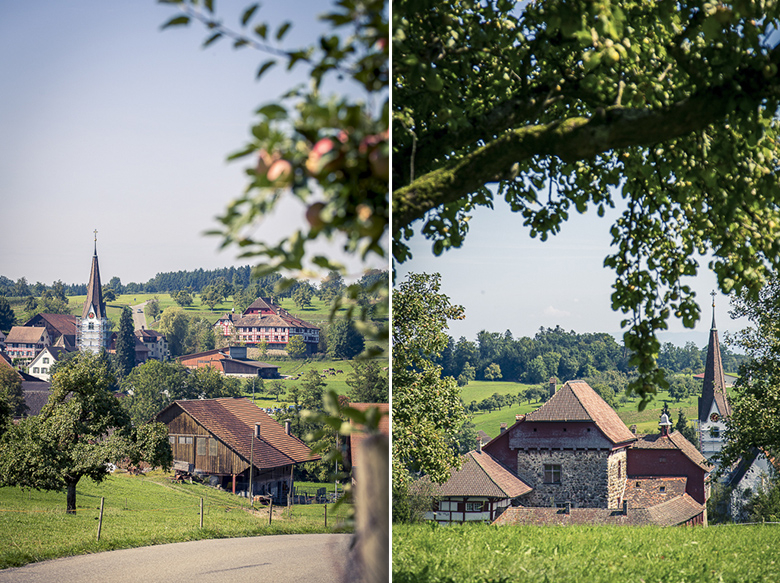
(231, 361)
(223, 438)
(479, 491)
(265, 322)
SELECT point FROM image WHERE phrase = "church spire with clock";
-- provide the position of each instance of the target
(714, 405)
(93, 329)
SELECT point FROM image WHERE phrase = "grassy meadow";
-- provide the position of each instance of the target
(646, 421)
(141, 511)
(596, 554)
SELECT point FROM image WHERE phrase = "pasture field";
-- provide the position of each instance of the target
(141, 511)
(646, 421)
(596, 554)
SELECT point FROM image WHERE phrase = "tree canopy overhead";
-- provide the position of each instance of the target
(665, 110)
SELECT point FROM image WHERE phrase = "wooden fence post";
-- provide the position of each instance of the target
(326, 515)
(201, 512)
(372, 509)
(270, 511)
(100, 519)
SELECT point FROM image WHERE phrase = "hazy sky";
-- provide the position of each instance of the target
(109, 123)
(507, 281)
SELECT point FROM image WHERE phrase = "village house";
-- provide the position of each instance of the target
(266, 322)
(578, 463)
(40, 366)
(223, 438)
(62, 328)
(25, 343)
(230, 361)
(156, 344)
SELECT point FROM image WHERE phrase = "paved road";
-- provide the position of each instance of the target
(309, 558)
(139, 318)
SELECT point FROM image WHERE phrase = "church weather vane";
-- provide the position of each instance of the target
(712, 293)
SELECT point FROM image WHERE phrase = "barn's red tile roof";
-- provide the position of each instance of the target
(676, 511)
(482, 475)
(577, 401)
(232, 420)
(674, 441)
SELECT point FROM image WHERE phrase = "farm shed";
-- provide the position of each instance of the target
(219, 437)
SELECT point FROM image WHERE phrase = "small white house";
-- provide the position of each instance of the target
(40, 366)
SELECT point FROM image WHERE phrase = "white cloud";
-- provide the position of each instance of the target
(555, 312)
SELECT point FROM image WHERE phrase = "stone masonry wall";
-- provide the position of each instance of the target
(589, 478)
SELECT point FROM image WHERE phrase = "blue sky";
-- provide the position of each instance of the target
(507, 281)
(109, 123)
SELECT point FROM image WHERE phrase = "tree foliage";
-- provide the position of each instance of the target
(7, 315)
(344, 341)
(665, 111)
(367, 383)
(755, 398)
(328, 151)
(80, 430)
(11, 392)
(427, 410)
(296, 347)
(125, 343)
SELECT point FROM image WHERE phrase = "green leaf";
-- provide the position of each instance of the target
(209, 4)
(272, 111)
(261, 30)
(213, 38)
(283, 30)
(263, 68)
(248, 13)
(176, 21)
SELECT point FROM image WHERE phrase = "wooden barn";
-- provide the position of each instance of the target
(223, 438)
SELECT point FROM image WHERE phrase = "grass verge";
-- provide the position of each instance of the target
(596, 554)
(139, 511)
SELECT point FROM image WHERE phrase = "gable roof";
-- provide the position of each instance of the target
(577, 401)
(57, 324)
(25, 334)
(481, 475)
(232, 420)
(674, 441)
(676, 511)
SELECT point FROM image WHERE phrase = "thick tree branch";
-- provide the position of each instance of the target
(573, 139)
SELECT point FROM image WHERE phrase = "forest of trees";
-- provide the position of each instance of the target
(554, 352)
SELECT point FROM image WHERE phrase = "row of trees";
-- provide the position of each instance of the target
(553, 352)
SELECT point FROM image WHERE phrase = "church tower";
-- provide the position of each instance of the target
(93, 326)
(713, 404)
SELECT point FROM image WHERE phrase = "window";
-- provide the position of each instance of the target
(91, 326)
(172, 440)
(45, 360)
(552, 473)
(620, 469)
(36, 369)
(202, 443)
(185, 440)
(473, 506)
(662, 489)
(661, 460)
(212, 447)
(714, 432)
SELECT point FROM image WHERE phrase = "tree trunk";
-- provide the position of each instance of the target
(71, 496)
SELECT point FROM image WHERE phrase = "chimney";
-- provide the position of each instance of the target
(665, 424)
(479, 445)
(503, 427)
(287, 424)
(257, 430)
(553, 383)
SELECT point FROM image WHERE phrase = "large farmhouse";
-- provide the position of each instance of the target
(574, 461)
(266, 322)
(224, 438)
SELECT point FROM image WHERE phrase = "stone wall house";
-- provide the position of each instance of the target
(572, 450)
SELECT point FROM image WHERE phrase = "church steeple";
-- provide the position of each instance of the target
(714, 387)
(93, 330)
(94, 290)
